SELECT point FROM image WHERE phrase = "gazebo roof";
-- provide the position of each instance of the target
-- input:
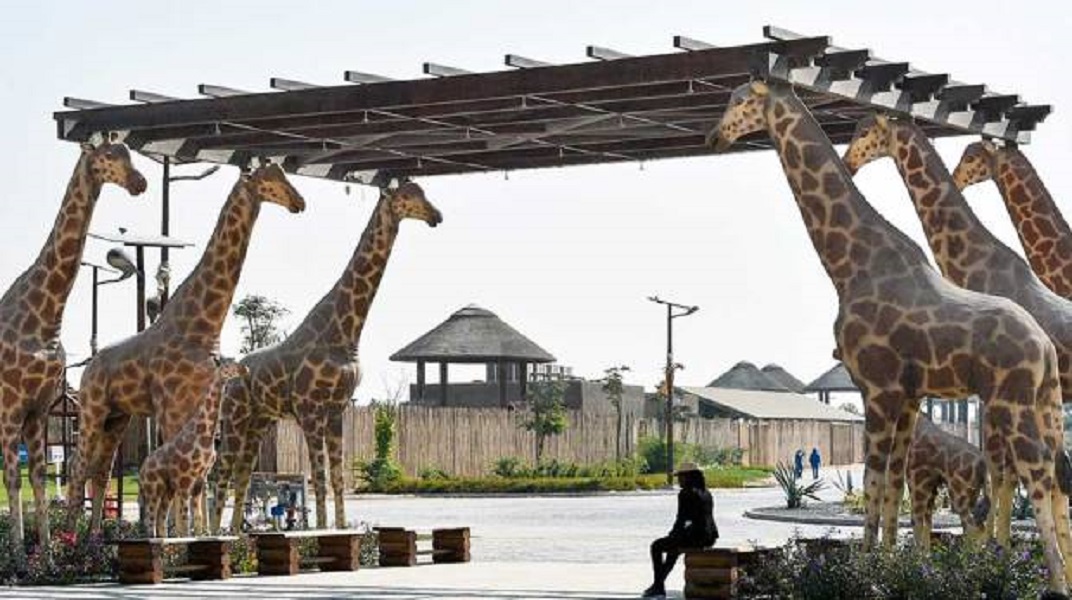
(745, 376)
(473, 335)
(777, 373)
(835, 380)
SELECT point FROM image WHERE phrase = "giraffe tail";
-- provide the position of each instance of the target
(981, 510)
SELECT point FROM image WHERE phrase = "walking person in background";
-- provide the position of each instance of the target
(815, 461)
(694, 526)
(798, 463)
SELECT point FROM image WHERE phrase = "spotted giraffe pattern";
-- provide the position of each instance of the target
(176, 470)
(1044, 233)
(311, 376)
(168, 369)
(903, 331)
(31, 313)
(937, 459)
(967, 253)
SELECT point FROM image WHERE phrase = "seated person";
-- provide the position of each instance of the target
(694, 526)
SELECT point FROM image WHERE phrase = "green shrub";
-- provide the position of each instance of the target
(651, 452)
(433, 473)
(817, 569)
(379, 472)
(510, 467)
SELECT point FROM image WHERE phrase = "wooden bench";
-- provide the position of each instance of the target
(337, 550)
(142, 560)
(398, 546)
(712, 573)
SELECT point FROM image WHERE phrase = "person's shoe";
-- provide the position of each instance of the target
(655, 591)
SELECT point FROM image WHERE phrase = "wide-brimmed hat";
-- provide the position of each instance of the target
(686, 467)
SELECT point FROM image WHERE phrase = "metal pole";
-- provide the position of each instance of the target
(669, 395)
(93, 321)
(141, 287)
(165, 223)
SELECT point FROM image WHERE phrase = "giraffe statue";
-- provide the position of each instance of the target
(967, 253)
(168, 369)
(1044, 233)
(31, 314)
(904, 332)
(937, 458)
(312, 374)
(177, 469)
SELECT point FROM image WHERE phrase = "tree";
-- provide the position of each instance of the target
(261, 327)
(613, 388)
(547, 412)
(850, 407)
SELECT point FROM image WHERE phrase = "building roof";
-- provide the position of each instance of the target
(473, 334)
(617, 108)
(783, 377)
(835, 380)
(745, 376)
(751, 404)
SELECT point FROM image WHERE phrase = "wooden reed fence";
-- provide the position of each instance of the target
(467, 441)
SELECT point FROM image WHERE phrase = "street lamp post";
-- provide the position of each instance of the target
(165, 217)
(684, 311)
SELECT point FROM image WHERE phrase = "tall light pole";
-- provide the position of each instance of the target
(165, 221)
(682, 311)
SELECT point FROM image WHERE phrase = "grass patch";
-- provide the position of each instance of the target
(130, 486)
(729, 477)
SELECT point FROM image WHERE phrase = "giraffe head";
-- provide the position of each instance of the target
(870, 142)
(976, 164)
(407, 201)
(745, 114)
(110, 163)
(268, 183)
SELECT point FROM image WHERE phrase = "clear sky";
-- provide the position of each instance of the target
(567, 256)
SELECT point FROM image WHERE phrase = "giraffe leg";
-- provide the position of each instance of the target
(1042, 500)
(33, 432)
(197, 508)
(243, 471)
(314, 439)
(922, 493)
(895, 476)
(106, 455)
(1006, 493)
(877, 443)
(334, 448)
(13, 484)
(230, 450)
(962, 501)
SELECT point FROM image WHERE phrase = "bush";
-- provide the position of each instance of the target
(651, 451)
(807, 569)
(433, 473)
(509, 467)
(382, 470)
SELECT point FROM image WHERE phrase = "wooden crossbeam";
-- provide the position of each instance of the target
(992, 107)
(690, 44)
(219, 91)
(150, 97)
(1026, 116)
(83, 104)
(879, 75)
(958, 97)
(520, 62)
(438, 70)
(361, 77)
(289, 85)
(602, 53)
(922, 87)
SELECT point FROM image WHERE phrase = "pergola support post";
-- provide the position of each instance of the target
(420, 380)
(443, 385)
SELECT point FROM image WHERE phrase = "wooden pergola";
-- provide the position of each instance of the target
(614, 108)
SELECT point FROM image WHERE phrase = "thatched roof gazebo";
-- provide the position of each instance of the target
(783, 377)
(473, 335)
(745, 376)
(836, 379)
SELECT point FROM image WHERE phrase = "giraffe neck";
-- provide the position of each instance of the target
(47, 283)
(1043, 231)
(339, 317)
(853, 240)
(965, 250)
(200, 305)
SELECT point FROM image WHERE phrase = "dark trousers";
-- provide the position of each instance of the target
(815, 471)
(671, 547)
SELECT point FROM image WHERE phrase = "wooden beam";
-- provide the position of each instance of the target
(83, 104)
(360, 77)
(289, 85)
(601, 53)
(437, 70)
(150, 97)
(520, 62)
(443, 385)
(691, 45)
(219, 91)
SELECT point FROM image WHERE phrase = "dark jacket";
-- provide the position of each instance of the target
(695, 522)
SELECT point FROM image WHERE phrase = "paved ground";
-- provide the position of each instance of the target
(556, 547)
